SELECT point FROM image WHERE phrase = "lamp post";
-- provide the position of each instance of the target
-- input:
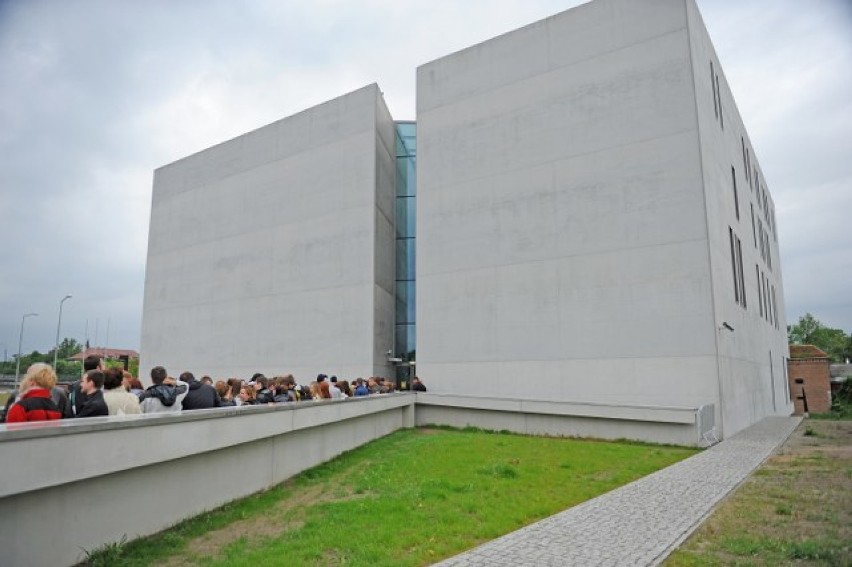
(58, 324)
(20, 342)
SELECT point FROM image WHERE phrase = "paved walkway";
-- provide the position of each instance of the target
(642, 522)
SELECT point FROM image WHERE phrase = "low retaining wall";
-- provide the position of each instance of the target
(77, 484)
(680, 426)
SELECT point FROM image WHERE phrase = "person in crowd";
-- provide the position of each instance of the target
(224, 393)
(248, 396)
(263, 394)
(373, 386)
(236, 389)
(136, 387)
(35, 403)
(417, 385)
(314, 389)
(118, 400)
(76, 398)
(206, 380)
(360, 388)
(200, 395)
(59, 395)
(343, 386)
(90, 387)
(335, 391)
(166, 395)
(325, 390)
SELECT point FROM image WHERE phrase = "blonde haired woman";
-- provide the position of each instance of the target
(35, 403)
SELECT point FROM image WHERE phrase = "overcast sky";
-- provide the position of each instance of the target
(94, 95)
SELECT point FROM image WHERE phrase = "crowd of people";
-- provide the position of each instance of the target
(112, 391)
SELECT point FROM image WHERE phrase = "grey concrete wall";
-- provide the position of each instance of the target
(81, 483)
(752, 381)
(89, 482)
(271, 252)
(678, 425)
(562, 246)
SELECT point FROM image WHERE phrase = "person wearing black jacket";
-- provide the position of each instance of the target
(94, 404)
(200, 395)
(76, 398)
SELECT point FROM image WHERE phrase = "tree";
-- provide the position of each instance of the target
(801, 332)
(810, 331)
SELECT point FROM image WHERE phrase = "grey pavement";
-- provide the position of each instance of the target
(642, 522)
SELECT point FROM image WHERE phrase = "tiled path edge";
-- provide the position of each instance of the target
(642, 522)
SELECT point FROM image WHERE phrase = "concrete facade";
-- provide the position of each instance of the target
(592, 227)
(574, 209)
(274, 251)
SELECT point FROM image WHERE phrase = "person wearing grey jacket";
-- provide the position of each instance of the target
(166, 395)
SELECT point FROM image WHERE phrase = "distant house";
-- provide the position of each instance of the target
(839, 373)
(124, 355)
(808, 373)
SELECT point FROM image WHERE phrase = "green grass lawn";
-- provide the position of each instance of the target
(411, 498)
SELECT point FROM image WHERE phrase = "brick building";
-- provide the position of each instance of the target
(808, 373)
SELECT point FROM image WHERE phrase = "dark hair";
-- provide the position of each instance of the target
(187, 377)
(113, 377)
(262, 381)
(97, 377)
(91, 362)
(136, 384)
(158, 374)
(321, 377)
(256, 376)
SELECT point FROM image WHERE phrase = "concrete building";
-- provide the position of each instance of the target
(274, 251)
(585, 190)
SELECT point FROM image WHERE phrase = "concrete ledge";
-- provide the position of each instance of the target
(661, 424)
(661, 414)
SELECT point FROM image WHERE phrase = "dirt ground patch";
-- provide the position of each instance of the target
(795, 510)
(288, 514)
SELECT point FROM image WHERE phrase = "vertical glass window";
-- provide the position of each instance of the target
(734, 265)
(713, 88)
(406, 243)
(736, 195)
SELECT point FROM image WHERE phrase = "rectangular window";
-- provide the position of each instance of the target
(742, 275)
(775, 307)
(766, 296)
(753, 227)
(719, 96)
(760, 234)
(768, 251)
(759, 292)
(713, 88)
(736, 196)
(748, 167)
(734, 265)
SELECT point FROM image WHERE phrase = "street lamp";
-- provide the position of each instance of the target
(58, 323)
(20, 342)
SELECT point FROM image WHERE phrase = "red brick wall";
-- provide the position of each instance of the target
(814, 376)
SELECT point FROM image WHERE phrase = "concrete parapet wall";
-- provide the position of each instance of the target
(75, 485)
(679, 425)
(79, 484)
